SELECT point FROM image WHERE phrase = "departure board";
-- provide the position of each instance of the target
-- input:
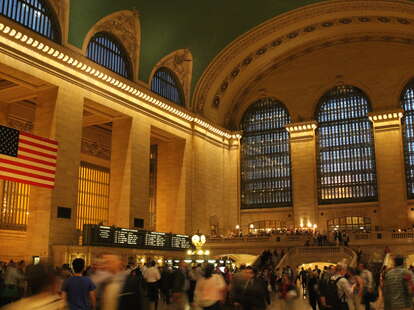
(96, 235)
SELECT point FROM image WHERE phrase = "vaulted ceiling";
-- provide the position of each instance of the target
(204, 27)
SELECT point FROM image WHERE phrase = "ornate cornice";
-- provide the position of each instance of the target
(289, 27)
(19, 124)
(261, 73)
(95, 149)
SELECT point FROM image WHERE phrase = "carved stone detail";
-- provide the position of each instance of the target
(19, 124)
(124, 25)
(281, 30)
(95, 149)
(181, 63)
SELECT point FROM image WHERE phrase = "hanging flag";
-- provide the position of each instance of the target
(27, 158)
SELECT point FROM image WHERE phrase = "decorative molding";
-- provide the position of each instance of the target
(95, 149)
(292, 55)
(280, 30)
(302, 131)
(386, 120)
(19, 124)
(181, 63)
(124, 25)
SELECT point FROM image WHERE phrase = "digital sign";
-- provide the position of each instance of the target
(96, 235)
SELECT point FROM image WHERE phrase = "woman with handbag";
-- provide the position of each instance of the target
(210, 290)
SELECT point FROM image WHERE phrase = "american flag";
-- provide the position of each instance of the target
(27, 158)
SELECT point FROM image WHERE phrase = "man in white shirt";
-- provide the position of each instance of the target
(152, 276)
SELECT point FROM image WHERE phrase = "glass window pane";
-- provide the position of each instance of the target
(165, 84)
(265, 156)
(36, 15)
(407, 103)
(107, 51)
(346, 156)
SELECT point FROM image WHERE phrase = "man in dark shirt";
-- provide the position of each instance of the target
(79, 291)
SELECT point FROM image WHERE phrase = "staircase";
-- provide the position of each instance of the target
(303, 255)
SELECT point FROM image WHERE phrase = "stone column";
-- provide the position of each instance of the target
(130, 162)
(58, 116)
(303, 158)
(389, 154)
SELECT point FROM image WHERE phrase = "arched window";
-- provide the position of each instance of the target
(165, 83)
(407, 103)
(106, 50)
(346, 155)
(36, 15)
(265, 156)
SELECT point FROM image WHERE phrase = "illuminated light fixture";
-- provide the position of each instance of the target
(79, 65)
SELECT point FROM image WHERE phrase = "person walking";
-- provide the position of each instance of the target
(210, 290)
(398, 287)
(313, 288)
(79, 291)
(180, 287)
(45, 286)
(254, 294)
(152, 277)
(368, 289)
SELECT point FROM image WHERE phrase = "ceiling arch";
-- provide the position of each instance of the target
(227, 81)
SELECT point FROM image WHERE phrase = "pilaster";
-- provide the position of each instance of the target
(303, 159)
(58, 116)
(130, 160)
(390, 168)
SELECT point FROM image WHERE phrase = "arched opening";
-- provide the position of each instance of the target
(107, 51)
(165, 83)
(37, 15)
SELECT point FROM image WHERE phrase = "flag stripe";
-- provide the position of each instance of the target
(35, 148)
(36, 160)
(28, 174)
(26, 170)
(40, 146)
(38, 141)
(10, 178)
(26, 134)
(36, 153)
(24, 165)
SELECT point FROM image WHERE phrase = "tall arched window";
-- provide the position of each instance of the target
(346, 155)
(407, 103)
(165, 83)
(265, 156)
(106, 50)
(36, 15)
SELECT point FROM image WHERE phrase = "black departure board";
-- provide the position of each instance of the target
(96, 235)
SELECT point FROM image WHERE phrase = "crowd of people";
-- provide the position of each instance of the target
(110, 285)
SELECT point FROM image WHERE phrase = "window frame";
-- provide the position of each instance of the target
(177, 85)
(109, 55)
(409, 85)
(324, 100)
(49, 13)
(253, 108)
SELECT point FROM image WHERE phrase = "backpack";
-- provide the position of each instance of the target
(331, 293)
